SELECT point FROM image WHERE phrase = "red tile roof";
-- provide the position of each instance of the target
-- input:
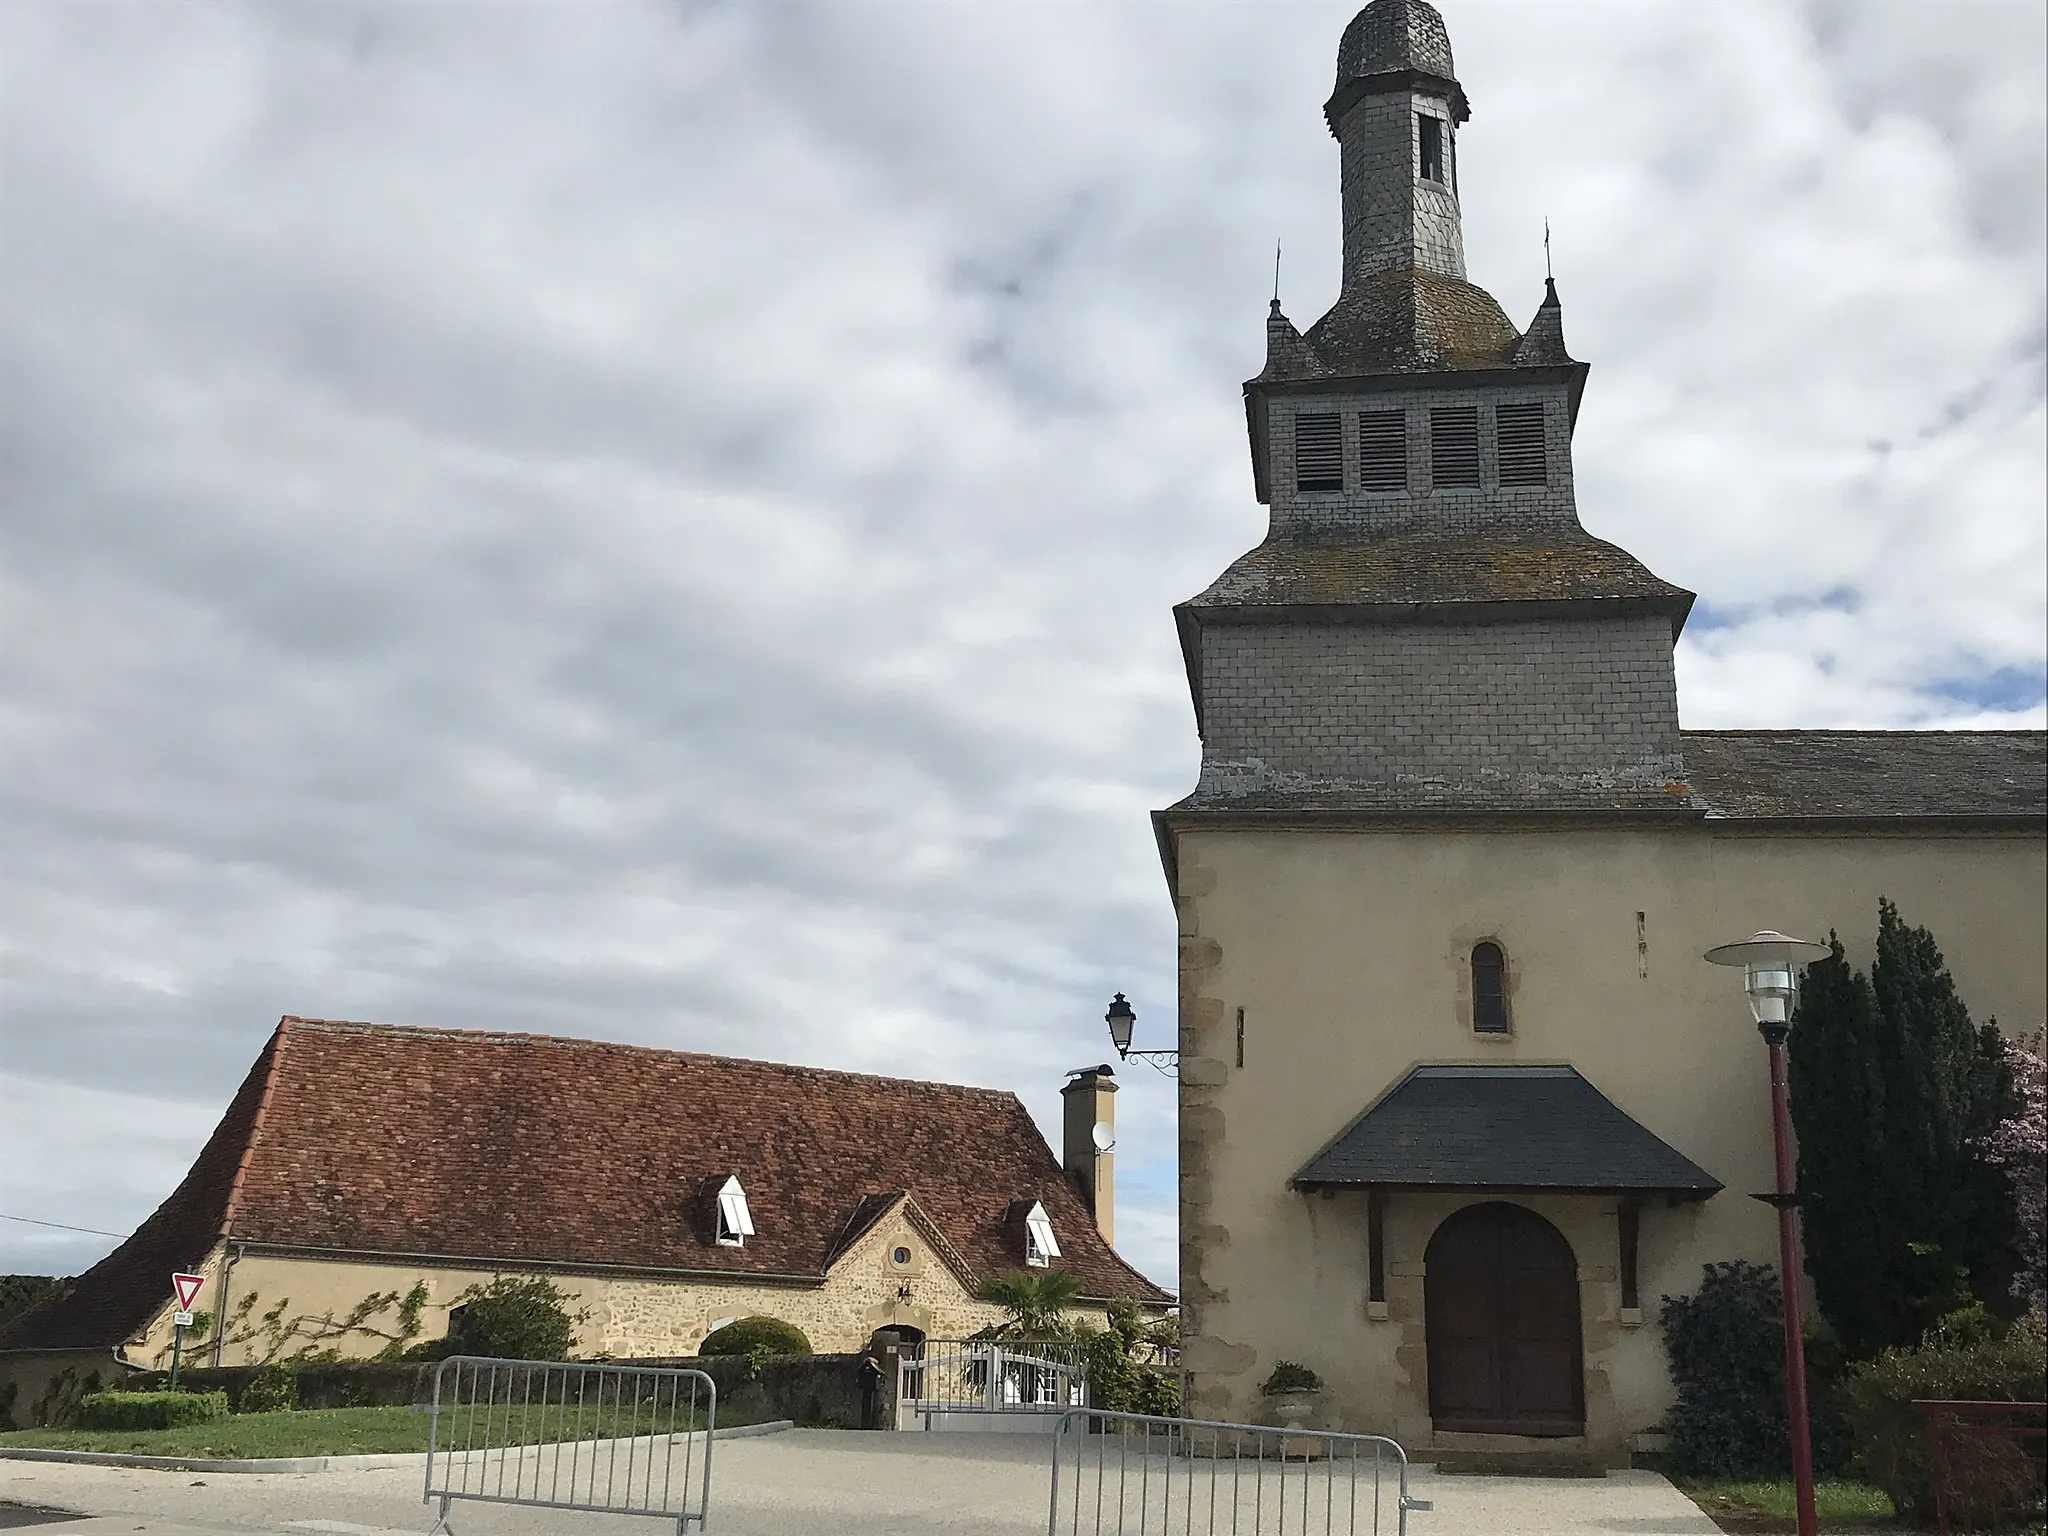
(500, 1149)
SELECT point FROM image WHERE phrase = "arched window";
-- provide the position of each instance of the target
(1489, 989)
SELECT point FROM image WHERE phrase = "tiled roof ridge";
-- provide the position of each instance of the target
(519, 1037)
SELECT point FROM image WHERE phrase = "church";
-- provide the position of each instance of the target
(1460, 1099)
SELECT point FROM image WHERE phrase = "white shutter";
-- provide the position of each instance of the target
(1039, 1243)
(735, 1221)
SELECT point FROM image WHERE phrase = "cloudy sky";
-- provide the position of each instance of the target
(658, 520)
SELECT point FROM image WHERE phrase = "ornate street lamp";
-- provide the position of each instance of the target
(1771, 963)
(1122, 1019)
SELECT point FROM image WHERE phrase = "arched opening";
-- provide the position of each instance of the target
(1489, 988)
(1501, 1305)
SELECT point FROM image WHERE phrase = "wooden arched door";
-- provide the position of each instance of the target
(1501, 1302)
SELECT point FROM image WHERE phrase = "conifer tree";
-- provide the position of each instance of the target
(1838, 1103)
(1894, 1094)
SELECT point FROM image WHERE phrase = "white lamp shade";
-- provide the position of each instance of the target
(1120, 1018)
(1770, 962)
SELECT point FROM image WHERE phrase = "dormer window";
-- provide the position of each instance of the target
(1040, 1247)
(1430, 133)
(735, 1221)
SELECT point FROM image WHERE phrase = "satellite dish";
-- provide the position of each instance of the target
(1104, 1135)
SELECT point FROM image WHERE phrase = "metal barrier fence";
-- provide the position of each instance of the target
(613, 1439)
(991, 1376)
(1981, 1464)
(1135, 1475)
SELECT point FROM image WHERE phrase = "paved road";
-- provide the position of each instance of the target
(803, 1483)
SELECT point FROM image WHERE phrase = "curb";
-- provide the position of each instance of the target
(370, 1463)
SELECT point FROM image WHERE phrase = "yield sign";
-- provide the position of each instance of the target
(187, 1287)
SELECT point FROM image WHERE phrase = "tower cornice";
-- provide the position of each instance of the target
(1388, 81)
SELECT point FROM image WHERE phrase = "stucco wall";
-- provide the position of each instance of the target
(1348, 952)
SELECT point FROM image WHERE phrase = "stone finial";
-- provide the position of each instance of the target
(1543, 342)
(1286, 353)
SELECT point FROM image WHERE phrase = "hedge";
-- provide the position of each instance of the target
(1967, 1358)
(770, 1335)
(148, 1410)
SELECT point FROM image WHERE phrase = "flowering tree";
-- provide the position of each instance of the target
(2019, 1145)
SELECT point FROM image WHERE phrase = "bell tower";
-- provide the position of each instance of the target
(1426, 624)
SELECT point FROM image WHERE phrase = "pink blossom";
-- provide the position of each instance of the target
(2020, 1146)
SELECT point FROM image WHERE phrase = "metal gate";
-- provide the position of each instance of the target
(614, 1439)
(1136, 1475)
(990, 1383)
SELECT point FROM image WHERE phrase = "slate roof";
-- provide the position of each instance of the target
(1392, 39)
(503, 1148)
(1503, 1127)
(1759, 774)
(1728, 775)
(1411, 320)
(1432, 569)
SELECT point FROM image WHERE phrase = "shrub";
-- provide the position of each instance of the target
(1965, 1357)
(514, 1317)
(1290, 1377)
(749, 1334)
(1158, 1393)
(148, 1410)
(271, 1389)
(1726, 1346)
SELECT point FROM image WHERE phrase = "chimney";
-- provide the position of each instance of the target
(1088, 1130)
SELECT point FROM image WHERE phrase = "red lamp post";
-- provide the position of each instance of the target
(1770, 963)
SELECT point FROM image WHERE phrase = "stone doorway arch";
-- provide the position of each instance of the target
(1501, 1319)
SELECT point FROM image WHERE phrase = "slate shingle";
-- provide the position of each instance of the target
(1503, 1127)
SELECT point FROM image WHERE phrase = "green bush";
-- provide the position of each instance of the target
(148, 1410)
(514, 1317)
(1965, 1357)
(1289, 1376)
(272, 1389)
(1726, 1347)
(1158, 1393)
(752, 1335)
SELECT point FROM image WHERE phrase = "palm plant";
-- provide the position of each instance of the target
(1036, 1302)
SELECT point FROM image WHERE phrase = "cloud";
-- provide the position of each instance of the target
(658, 521)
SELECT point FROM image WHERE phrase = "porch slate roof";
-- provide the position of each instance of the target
(1503, 1127)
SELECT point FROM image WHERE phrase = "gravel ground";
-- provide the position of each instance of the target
(801, 1483)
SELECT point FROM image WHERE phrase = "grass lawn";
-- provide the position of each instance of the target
(340, 1432)
(1762, 1504)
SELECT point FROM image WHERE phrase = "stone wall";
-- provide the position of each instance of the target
(1552, 700)
(1421, 507)
(627, 1314)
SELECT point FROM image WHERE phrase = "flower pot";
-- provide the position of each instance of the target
(1293, 1408)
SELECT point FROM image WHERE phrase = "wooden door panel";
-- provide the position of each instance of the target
(1501, 1311)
